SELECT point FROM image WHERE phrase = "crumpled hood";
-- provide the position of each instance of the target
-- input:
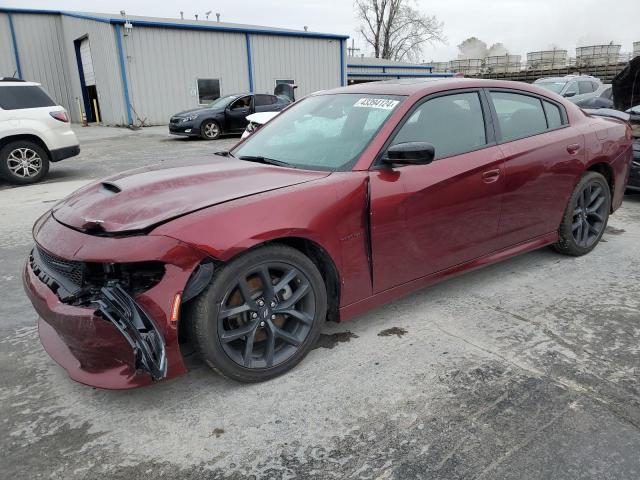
(142, 198)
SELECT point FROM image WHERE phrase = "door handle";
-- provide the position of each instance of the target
(491, 176)
(573, 148)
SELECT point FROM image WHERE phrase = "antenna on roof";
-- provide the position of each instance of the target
(181, 15)
(207, 14)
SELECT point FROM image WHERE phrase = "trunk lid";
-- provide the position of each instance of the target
(141, 199)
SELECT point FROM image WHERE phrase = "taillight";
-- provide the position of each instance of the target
(61, 116)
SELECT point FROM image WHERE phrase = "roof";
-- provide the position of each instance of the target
(177, 23)
(425, 86)
(17, 83)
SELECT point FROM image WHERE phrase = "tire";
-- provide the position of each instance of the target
(23, 162)
(210, 130)
(222, 340)
(585, 217)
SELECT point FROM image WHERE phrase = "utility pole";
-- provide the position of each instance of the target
(351, 51)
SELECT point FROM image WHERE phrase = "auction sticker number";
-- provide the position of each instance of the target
(381, 103)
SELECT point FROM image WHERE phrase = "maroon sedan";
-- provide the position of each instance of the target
(349, 199)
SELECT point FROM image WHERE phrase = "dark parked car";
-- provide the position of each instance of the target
(224, 115)
(347, 200)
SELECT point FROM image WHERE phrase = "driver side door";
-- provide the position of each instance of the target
(427, 218)
(236, 113)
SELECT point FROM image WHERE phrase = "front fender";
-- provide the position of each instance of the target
(330, 212)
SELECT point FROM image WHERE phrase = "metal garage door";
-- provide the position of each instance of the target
(87, 62)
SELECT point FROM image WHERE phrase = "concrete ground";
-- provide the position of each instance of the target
(528, 369)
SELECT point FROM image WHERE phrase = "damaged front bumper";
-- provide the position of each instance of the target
(107, 337)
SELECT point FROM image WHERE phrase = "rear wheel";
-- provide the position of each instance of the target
(23, 162)
(586, 216)
(261, 314)
(210, 130)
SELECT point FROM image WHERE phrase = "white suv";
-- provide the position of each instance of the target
(34, 131)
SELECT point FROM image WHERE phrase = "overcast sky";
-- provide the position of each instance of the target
(522, 25)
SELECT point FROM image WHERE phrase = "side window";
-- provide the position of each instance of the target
(208, 90)
(585, 86)
(29, 96)
(554, 117)
(454, 124)
(264, 100)
(244, 102)
(572, 90)
(518, 115)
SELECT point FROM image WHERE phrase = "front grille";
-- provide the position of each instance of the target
(72, 271)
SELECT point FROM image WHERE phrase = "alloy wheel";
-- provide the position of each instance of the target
(266, 315)
(211, 130)
(589, 215)
(24, 162)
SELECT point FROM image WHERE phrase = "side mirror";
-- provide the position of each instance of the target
(570, 94)
(410, 153)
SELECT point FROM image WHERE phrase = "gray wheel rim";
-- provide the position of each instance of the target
(24, 162)
(589, 215)
(273, 318)
(211, 130)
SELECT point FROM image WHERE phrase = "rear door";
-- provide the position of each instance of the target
(266, 103)
(426, 218)
(541, 152)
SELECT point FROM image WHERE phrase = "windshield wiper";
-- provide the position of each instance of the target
(261, 159)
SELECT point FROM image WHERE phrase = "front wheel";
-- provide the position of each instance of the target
(210, 130)
(261, 314)
(586, 216)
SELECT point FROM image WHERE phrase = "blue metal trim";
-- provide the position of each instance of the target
(123, 74)
(384, 67)
(15, 46)
(249, 61)
(343, 80)
(182, 26)
(402, 75)
(83, 85)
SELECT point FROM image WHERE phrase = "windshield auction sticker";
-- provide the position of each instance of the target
(381, 103)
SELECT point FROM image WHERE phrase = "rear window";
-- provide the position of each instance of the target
(27, 96)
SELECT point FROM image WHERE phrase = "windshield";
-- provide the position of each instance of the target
(323, 132)
(222, 101)
(555, 87)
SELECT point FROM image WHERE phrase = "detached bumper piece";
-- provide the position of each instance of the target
(117, 306)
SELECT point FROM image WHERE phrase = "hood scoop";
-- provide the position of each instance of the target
(111, 187)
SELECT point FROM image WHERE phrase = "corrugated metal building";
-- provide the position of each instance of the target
(368, 69)
(140, 69)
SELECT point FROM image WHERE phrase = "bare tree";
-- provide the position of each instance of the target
(396, 29)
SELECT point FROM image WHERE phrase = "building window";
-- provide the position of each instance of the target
(286, 82)
(208, 90)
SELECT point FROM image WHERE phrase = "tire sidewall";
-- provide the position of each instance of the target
(4, 162)
(208, 305)
(209, 122)
(565, 230)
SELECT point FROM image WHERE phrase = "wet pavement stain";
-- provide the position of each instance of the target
(331, 340)
(400, 332)
(614, 231)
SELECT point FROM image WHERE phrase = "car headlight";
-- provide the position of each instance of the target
(189, 118)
